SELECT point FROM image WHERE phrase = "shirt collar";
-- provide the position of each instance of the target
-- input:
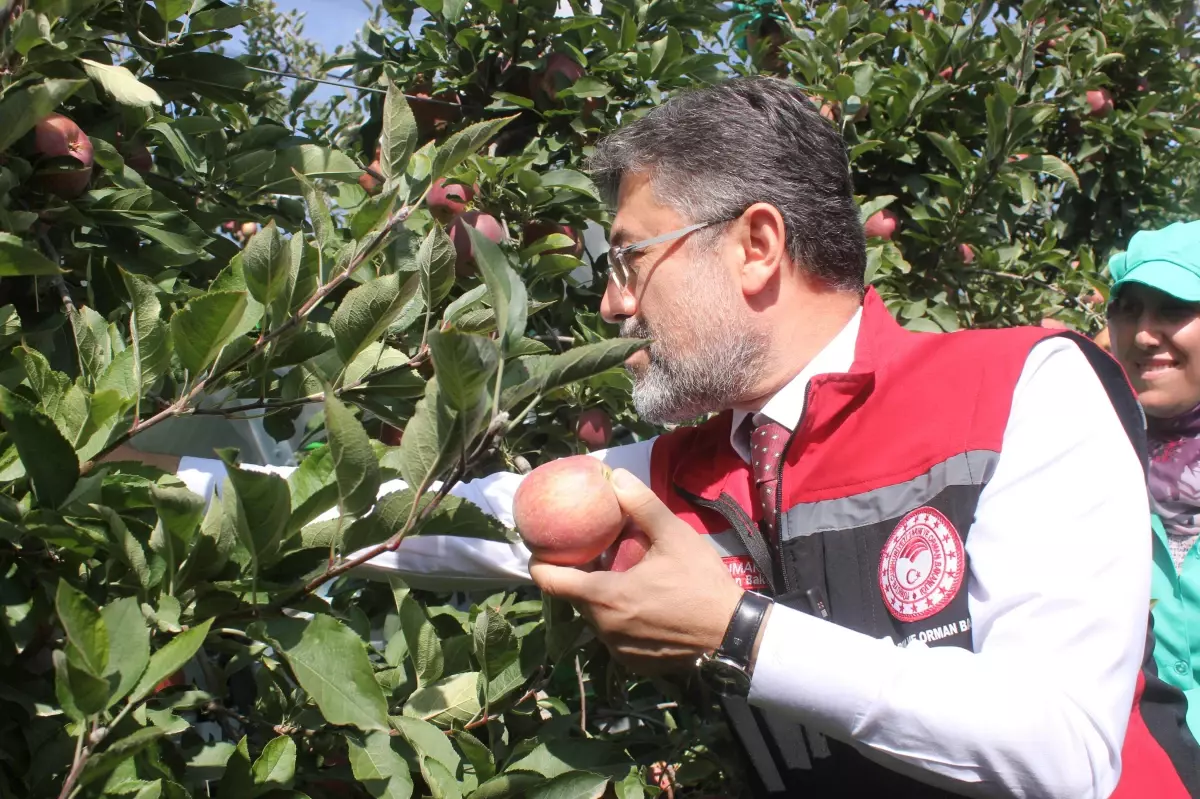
(786, 406)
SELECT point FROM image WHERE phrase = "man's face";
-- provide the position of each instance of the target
(684, 294)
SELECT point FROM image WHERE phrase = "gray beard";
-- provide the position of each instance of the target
(723, 368)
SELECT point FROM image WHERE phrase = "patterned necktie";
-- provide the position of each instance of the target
(767, 443)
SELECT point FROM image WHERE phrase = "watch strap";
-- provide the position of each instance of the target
(738, 644)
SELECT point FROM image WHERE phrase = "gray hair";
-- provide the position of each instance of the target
(711, 153)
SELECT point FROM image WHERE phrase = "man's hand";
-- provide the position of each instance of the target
(668, 609)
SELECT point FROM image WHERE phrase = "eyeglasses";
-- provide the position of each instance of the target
(618, 264)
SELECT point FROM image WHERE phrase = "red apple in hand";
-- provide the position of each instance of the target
(448, 200)
(566, 511)
(486, 224)
(1100, 102)
(882, 224)
(594, 429)
(56, 136)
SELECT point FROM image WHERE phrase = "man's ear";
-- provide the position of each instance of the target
(762, 238)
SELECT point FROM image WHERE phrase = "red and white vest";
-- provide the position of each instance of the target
(886, 464)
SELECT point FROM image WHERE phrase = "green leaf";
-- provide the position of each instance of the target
(428, 741)
(451, 701)
(49, 458)
(128, 548)
(464, 144)
(238, 780)
(538, 374)
(424, 643)
(151, 348)
(266, 264)
(379, 767)
(92, 341)
(129, 645)
(354, 460)
(955, 152)
(441, 782)
(496, 646)
(17, 260)
(477, 753)
(79, 693)
(118, 752)
(570, 179)
(507, 290)
(366, 312)
(21, 109)
(318, 213)
(206, 324)
(122, 84)
(574, 785)
(457, 517)
(170, 659)
(87, 635)
(429, 439)
(435, 260)
(1048, 165)
(171, 10)
(457, 308)
(263, 505)
(330, 663)
(398, 139)
(452, 10)
(313, 487)
(276, 766)
(465, 365)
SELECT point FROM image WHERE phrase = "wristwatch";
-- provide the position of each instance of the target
(727, 670)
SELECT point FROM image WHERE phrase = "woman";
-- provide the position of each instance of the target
(1154, 324)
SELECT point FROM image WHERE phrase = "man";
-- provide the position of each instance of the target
(946, 536)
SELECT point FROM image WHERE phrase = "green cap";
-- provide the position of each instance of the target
(1167, 260)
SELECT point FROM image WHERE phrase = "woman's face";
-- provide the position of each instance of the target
(1156, 337)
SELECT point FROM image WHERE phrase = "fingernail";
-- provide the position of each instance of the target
(624, 480)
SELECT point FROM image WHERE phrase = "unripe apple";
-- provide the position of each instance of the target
(566, 511)
(626, 552)
(369, 182)
(882, 224)
(594, 429)
(538, 229)
(966, 253)
(55, 136)
(446, 201)
(486, 224)
(1100, 102)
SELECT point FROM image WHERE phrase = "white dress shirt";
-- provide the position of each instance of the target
(1058, 592)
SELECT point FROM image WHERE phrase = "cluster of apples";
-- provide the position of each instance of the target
(59, 136)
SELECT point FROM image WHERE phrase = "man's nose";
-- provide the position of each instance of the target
(617, 304)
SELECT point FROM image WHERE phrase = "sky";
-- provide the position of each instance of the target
(329, 22)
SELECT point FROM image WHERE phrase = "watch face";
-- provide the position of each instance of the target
(724, 676)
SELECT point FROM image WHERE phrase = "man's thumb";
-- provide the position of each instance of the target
(641, 504)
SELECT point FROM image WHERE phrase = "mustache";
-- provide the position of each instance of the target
(635, 328)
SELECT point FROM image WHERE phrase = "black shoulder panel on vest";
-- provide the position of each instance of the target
(1124, 401)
